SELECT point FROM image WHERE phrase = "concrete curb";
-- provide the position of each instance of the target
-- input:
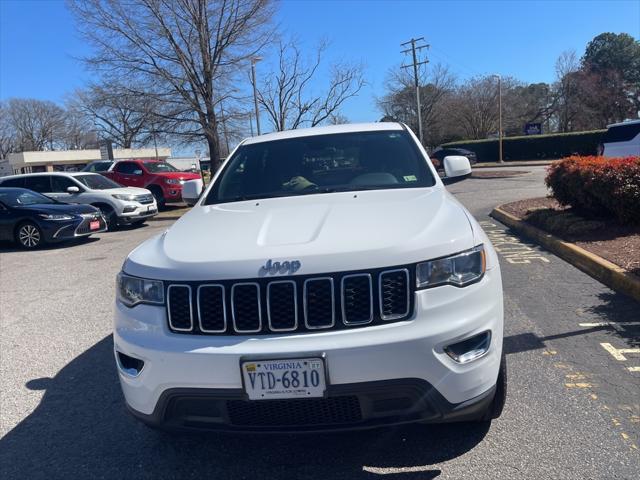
(158, 218)
(517, 163)
(604, 271)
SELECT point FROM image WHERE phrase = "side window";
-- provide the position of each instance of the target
(38, 183)
(622, 133)
(59, 184)
(126, 167)
(13, 183)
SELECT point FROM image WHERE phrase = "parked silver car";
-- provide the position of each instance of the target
(119, 205)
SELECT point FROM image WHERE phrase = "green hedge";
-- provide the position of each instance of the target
(534, 147)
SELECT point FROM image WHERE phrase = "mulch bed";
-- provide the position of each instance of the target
(620, 244)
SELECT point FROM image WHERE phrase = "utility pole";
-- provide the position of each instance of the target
(255, 60)
(499, 117)
(415, 65)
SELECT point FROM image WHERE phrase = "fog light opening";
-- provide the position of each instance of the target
(129, 365)
(470, 349)
(129, 209)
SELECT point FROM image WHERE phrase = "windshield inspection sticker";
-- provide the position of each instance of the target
(410, 178)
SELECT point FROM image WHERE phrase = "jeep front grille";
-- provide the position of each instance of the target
(291, 304)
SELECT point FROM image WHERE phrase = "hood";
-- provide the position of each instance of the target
(68, 208)
(128, 191)
(324, 232)
(178, 175)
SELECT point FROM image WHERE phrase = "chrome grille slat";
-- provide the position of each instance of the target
(241, 312)
(273, 304)
(207, 306)
(354, 303)
(311, 304)
(178, 302)
(392, 292)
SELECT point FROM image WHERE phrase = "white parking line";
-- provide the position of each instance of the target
(633, 369)
(615, 325)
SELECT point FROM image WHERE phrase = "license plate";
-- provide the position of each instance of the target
(289, 378)
(94, 225)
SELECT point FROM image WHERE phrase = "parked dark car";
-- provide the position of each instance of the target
(439, 154)
(31, 219)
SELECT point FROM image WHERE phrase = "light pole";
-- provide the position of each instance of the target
(499, 117)
(255, 60)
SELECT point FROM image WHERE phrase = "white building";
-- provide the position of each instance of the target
(70, 160)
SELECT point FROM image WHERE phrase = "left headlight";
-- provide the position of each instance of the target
(458, 270)
(55, 216)
(173, 181)
(134, 290)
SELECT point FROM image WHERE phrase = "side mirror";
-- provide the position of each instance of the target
(73, 190)
(191, 191)
(456, 168)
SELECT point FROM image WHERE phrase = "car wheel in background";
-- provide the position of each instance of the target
(158, 195)
(109, 216)
(29, 236)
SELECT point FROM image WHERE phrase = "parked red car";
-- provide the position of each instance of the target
(162, 179)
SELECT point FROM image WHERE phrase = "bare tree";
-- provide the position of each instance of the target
(287, 94)
(437, 85)
(38, 124)
(183, 54)
(125, 118)
(8, 137)
(566, 89)
(78, 132)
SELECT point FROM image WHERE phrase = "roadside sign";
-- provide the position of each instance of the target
(106, 150)
(533, 129)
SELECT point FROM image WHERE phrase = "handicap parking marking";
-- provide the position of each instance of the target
(514, 250)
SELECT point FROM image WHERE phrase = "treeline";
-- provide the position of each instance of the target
(600, 88)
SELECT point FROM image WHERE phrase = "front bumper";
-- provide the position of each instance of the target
(79, 227)
(134, 212)
(411, 352)
(345, 407)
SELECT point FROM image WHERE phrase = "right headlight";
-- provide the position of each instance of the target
(134, 290)
(458, 270)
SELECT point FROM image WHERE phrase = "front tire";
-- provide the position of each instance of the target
(29, 236)
(109, 215)
(500, 397)
(159, 196)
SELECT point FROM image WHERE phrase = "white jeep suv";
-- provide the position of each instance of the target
(119, 205)
(325, 280)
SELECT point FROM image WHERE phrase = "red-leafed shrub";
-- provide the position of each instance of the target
(598, 186)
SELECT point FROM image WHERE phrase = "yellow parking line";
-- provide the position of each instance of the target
(618, 353)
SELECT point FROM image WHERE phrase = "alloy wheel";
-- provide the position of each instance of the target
(29, 236)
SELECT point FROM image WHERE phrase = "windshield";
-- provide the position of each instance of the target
(96, 182)
(159, 167)
(23, 198)
(321, 164)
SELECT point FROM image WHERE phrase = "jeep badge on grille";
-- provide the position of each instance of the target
(275, 268)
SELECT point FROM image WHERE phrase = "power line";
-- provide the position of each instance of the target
(415, 48)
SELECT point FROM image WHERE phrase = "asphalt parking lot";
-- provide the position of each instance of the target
(573, 408)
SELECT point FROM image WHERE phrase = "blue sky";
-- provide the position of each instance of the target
(38, 41)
